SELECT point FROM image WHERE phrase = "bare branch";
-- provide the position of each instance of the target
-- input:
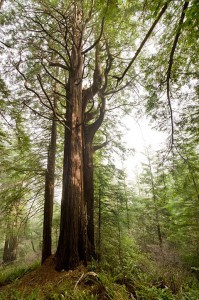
(119, 89)
(90, 12)
(29, 88)
(7, 45)
(38, 22)
(37, 112)
(56, 51)
(53, 77)
(89, 93)
(92, 128)
(98, 39)
(100, 146)
(58, 64)
(56, 115)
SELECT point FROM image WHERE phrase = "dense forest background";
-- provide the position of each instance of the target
(71, 74)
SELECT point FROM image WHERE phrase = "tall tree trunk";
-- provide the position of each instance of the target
(99, 225)
(72, 244)
(157, 215)
(89, 193)
(89, 133)
(49, 190)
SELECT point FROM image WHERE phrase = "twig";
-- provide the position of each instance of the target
(78, 281)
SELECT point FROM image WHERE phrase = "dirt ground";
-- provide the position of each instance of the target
(44, 277)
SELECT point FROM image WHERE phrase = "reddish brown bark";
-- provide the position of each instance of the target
(89, 133)
(72, 245)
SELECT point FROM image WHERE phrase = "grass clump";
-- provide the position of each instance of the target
(13, 272)
(19, 295)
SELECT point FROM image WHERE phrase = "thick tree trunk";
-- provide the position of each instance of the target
(49, 191)
(72, 244)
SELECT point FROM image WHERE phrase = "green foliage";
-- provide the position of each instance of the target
(3, 90)
(16, 295)
(77, 295)
(152, 293)
(11, 273)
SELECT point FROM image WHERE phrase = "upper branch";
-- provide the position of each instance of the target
(58, 64)
(119, 78)
(100, 146)
(175, 43)
(89, 93)
(97, 40)
(92, 128)
(53, 77)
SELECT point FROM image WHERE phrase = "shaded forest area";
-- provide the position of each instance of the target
(73, 225)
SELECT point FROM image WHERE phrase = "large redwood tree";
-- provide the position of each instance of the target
(78, 38)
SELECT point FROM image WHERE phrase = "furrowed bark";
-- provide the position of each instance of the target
(72, 245)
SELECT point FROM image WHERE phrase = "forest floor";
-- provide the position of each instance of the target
(45, 283)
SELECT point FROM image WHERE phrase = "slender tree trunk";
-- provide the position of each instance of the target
(49, 190)
(99, 226)
(89, 193)
(157, 217)
(32, 244)
(10, 246)
(127, 207)
(119, 233)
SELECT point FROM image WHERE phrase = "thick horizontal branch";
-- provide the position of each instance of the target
(58, 64)
(100, 146)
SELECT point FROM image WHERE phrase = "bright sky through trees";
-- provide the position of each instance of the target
(139, 135)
